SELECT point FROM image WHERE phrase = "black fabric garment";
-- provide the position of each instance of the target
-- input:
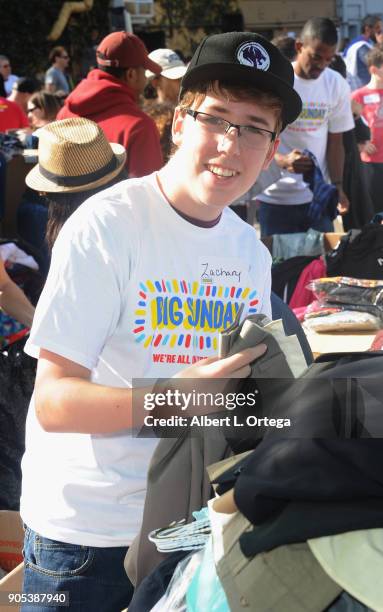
(359, 254)
(374, 175)
(346, 603)
(17, 375)
(154, 586)
(300, 521)
(329, 460)
(355, 183)
(291, 325)
(285, 275)
(362, 131)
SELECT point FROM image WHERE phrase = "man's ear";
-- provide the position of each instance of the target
(270, 153)
(178, 124)
(130, 76)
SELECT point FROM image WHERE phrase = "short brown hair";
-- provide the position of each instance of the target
(375, 56)
(235, 91)
(56, 52)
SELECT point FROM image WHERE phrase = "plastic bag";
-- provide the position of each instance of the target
(174, 599)
(344, 321)
(205, 591)
(356, 294)
(195, 586)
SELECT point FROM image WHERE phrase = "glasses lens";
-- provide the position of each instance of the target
(255, 138)
(211, 123)
(214, 124)
(250, 137)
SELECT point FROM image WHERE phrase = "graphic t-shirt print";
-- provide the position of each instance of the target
(312, 116)
(179, 319)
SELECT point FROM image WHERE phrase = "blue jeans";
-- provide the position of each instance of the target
(94, 578)
(289, 219)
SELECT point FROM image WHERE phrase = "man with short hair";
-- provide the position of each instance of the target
(356, 52)
(55, 79)
(109, 96)
(167, 84)
(285, 206)
(143, 277)
(6, 72)
(22, 90)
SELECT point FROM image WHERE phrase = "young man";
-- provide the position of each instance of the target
(370, 98)
(143, 277)
(167, 84)
(109, 96)
(326, 114)
(55, 78)
(355, 54)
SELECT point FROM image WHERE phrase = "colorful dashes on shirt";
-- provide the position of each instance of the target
(177, 313)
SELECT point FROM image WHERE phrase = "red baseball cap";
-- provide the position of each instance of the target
(124, 50)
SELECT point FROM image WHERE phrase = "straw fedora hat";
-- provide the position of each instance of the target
(74, 155)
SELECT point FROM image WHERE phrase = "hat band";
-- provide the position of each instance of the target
(83, 179)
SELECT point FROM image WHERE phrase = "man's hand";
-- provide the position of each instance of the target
(294, 162)
(343, 202)
(236, 366)
(368, 147)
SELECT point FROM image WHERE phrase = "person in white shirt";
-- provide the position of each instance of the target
(6, 72)
(325, 115)
(143, 277)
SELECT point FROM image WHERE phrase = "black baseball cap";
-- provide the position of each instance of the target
(248, 58)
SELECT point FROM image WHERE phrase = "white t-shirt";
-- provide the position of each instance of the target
(326, 108)
(134, 291)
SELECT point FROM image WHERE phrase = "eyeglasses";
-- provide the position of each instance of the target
(250, 136)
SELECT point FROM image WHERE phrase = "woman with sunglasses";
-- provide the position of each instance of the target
(42, 109)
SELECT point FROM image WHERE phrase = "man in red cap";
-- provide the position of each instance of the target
(109, 96)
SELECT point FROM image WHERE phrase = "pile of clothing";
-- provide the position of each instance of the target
(345, 304)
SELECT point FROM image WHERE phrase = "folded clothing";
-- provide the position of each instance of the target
(344, 321)
(351, 293)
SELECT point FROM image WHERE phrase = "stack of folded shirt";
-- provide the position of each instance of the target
(345, 304)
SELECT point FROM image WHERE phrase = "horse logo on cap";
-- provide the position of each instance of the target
(254, 55)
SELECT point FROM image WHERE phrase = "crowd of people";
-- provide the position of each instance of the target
(141, 167)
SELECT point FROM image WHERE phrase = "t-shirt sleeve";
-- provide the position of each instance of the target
(49, 78)
(341, 119)
(80, 304)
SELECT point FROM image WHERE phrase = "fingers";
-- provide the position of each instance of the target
(241, 373)
(237, 365)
